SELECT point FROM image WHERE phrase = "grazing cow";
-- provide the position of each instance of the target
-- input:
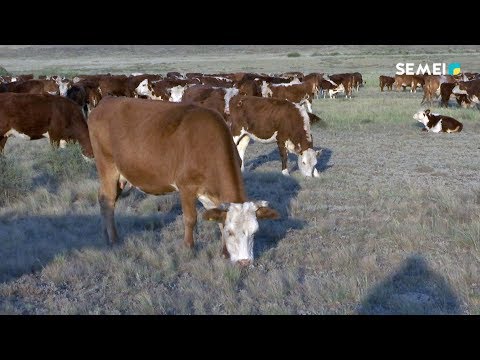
(127, 137)
(346, 80)
(36, 116)
(269, 120)
(437, 123)
(117, 85)
(386, 81)
(326, 84)
(469, 88)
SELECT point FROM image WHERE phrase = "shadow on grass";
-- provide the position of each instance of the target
(29, 243)
(274, 155)
(413, 289)
(278, 190)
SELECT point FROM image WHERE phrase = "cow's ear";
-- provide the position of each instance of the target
(215, 215)
(427, 111)
(267, 213)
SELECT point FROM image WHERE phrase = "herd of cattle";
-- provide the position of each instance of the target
(464, 87)
(187, 133)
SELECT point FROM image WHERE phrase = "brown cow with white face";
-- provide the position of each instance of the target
(269, 120)
(37, 116)
(162, 147)
(470, 89)
(437, 123)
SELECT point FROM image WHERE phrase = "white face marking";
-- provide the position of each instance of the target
(437, 128)
(63, 87)
(306, 121)
(290, 146)
(76, 79)
(238, 230)
(421, 117)
(307, 162)
(229, 93)
(475, 99)
(15, 133)
(136, 74)
(456, 90)
(142, 88)
(266, 91)
(63, 144)
(176, 93)
(14, 79)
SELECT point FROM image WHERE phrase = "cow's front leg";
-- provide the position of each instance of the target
(282, 148)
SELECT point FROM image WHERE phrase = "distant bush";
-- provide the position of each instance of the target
(3, 71)
(316, 54)
(294, 54)
(65, 164)
(14, 180)
(334, 53)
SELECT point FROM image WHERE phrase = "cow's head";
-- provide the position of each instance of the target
(422, 116)
(307, 161)
(239, 224)
(143, 88)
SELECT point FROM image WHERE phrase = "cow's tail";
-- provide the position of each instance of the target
(459, 128)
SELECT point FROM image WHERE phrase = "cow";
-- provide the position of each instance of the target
(346, 80)
(37, 116)
(34, 87)
(294, 91)
(127, 136)
(437, 123)
(269, 120)
(445, 93)
(357, 80)
(469, 88)
(432, 86)
(211, 97)
(402, 81)
(386, 81)
(326, 84)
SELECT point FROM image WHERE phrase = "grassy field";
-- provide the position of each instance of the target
(392, 226)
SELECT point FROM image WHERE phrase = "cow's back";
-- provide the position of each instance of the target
(156, 144)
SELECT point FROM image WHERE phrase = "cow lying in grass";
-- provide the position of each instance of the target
(437, 123)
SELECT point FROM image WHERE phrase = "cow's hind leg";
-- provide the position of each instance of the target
(188, 199)
(283, 156)
(108, 194)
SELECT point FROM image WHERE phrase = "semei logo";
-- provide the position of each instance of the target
(436, 69)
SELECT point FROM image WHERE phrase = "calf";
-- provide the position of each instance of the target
(198, 159)
(386, 81)
(438, 123)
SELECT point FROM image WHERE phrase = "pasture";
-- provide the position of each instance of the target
(391, 226)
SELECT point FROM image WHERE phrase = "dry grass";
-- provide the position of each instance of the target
(392, 226)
